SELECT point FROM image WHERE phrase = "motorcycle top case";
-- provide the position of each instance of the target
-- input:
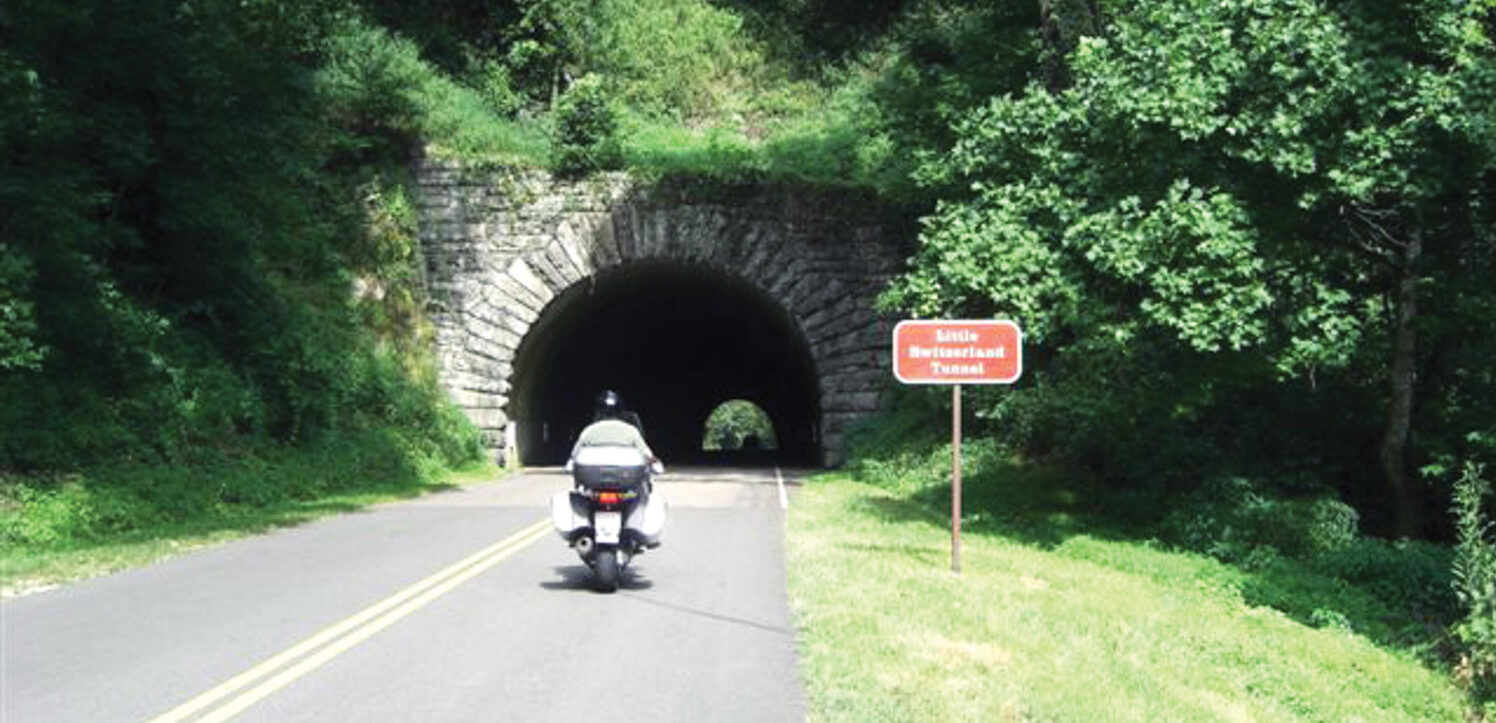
(609, 467)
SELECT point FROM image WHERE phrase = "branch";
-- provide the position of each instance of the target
(1374, 219)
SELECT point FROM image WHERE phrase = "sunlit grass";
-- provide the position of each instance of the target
(1086, 629)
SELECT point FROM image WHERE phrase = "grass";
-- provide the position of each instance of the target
(1061, 626)
(30, 565)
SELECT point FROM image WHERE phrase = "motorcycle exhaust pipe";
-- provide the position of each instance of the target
(583, 545)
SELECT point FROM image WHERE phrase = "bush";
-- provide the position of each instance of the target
(586, 130)
(68, 509)
(1236, 520)
(372, 82)
(1409, 576)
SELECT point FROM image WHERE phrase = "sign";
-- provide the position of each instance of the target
(957, 352)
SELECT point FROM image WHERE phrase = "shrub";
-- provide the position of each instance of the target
(372, 81)
(1233, 518)
(586, 130)
(1410, 576)
(1475, 584)
(495, 85)
(66, 510)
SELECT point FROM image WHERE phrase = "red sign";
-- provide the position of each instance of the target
(957, 352)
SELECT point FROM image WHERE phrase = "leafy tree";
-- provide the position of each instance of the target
(1265, 191)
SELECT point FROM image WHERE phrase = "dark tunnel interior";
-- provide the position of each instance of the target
(675, 340)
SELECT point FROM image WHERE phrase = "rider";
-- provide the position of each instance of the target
(613, 426)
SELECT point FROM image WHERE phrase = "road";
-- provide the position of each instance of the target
(456, 606)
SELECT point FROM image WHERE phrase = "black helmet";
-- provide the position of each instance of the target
(609, 404)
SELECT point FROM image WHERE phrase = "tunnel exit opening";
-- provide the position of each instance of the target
(674, 340)
(739, 432)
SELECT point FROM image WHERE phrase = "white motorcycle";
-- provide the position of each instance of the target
(612, 513)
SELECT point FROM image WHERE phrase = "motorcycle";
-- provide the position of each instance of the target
(611, 513)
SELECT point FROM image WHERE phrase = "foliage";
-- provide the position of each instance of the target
(1217, 203)
(1411, 577)
(1231, 519)
(830, 148)
(1058, 187)
(182, 235)
(739, 424)
(1475, 584)
(18, 348)
(586, 130)
(937, 64)
(386, 98)
(682, 58)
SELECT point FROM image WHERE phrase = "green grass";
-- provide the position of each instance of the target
(99, 522)
(1061, 626)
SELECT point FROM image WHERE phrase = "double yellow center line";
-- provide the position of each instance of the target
(245, 689)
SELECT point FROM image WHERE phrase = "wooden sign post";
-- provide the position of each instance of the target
(956, 353)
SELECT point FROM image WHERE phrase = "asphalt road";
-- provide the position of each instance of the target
(454, 607)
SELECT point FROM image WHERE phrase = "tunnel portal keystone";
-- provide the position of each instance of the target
(499, 245)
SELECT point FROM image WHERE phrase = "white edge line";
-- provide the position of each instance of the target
(784, 499)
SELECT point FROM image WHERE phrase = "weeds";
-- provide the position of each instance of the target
(1475, 586)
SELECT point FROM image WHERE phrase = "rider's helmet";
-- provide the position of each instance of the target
(609, 405)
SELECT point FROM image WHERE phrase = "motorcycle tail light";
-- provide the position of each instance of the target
(609, 498)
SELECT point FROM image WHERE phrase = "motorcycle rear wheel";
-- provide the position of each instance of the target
(607, 570)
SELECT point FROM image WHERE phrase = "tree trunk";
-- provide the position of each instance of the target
(1408, 519)
(1054, 47)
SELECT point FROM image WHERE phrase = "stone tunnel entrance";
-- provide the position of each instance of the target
(679, 294)
(676, 340)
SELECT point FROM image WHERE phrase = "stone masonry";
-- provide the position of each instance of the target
(499, 245)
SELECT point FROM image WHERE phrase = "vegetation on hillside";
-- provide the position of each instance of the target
(208, 289)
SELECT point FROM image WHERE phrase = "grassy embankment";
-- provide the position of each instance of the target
(100, 521)
(1058, 618)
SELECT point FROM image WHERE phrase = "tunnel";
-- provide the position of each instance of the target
(675, 340)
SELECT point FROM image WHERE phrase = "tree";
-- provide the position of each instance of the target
(1270, 185)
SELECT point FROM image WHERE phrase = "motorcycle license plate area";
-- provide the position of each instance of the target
(607, 525)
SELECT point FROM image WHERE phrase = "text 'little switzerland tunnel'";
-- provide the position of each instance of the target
(678, 295)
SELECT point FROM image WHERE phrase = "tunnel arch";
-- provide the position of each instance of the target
(511, 257)
(674, 339)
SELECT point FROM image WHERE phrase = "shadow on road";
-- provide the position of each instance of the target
(777, 630)
(579, 577)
